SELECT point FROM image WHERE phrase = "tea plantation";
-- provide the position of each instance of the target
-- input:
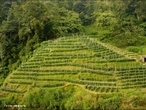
(77, 62)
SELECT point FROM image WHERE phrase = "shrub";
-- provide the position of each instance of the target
(111, 103)
(134, 49)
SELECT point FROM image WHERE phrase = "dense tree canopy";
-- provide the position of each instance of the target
(124, 19)
(27, 24)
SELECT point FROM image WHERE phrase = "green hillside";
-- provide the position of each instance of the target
(95, 67)
(79, 64)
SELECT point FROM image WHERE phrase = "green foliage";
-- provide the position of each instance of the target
(69, 76)
(110, 103)
(3, 12)
(68, 22)
(125, 21)
(48, 99)
(66, 98)
(12, 100)
(139, 101)
(25, 24)
(82, 101)
(20, 19)
(30, 23)
(86, 12)
(134, 49)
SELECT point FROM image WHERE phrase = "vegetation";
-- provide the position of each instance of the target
(23, 26)
(30, 23)
(35, 58)
(66, 69)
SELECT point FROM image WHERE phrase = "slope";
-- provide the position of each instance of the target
(78, 60)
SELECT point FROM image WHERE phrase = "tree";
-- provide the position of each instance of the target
(25, 23)
(30, 23)
(86, 11)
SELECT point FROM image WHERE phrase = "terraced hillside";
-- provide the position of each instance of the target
(81, 61)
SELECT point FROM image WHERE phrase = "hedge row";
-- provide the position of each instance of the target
(20, 82)
(126, 77)
(97, 83)
(50, 85)
(66, 46)
(102, 89)
(45, 74)
(97, 79)
(68, 71)
(10, 90)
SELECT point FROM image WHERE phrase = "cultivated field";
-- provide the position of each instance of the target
(78, 60)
